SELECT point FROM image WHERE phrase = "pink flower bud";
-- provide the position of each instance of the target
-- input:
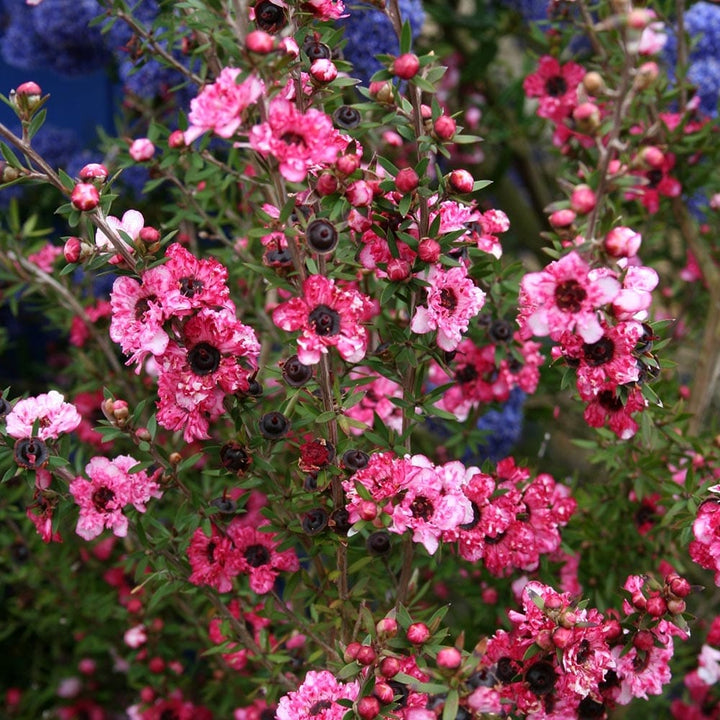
(71, 249)
(656, 606)
(418, 633)
(398, 269)
(383, 692)
(461, 181)
(87, 666)
(406, 180)
(562, 218)
(176, 139)
(347, 164)
(652, 156)
(156, 665)
(359, 193)
(260, 42)
(368, 708)
(640, 18)
(390, 667)
(28, 88)
(382, 91)
(93, 171)
(327, 184)
(676, 606)
(587, 117)
(429, 250)
(583, 199)
(147, 694)
(351, 651)
(646, 75)
(367, 510)
(562, 637)
(678, 585)
(323, 70)
(141, 150)
(406, 66)
(149, 235)
(622, 242)
(387, 627)
(612, 629)
(85, 196)
(366, 655)
(644, 640)
(450, 658)
(445, 127)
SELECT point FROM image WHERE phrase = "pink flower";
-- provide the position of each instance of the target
(327, 316)
(635, 297)
(219, 106)
(258, 556)
(46, 256)
(452, 299)
(556, 86)
(217, 356)
(656, 182)
(327, 9)
(316, 698)
(565, 296)
(376, 400)
(612, 407)
(300, 142)
(110, 489)
(131, 224)
(51, 413)
(214, 560)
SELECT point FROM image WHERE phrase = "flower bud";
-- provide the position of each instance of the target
(368, 708)
(461, 181)
(418, 633)
(676, 606)
(176, 140)
(389, 667)
(656, 606)
(593, 82)
(85, 197)
(366, 655)
(646, 76)
(384, 692)
(678, 585)
(644, 640)
(445, 127)
(429, 250)
(367, 510)
(351, 651)
(387, 628)
(71, 250)
(260, 42)
(142, 149)
(449, 658)
(27, 98)
(587, 117)
(398, 269)
(651, 156)
(406, 66)
(359, 193)
(583, 199)
(347, 164)
(326, 184)
(562, 218)
(383, 92)
(323, 70)
(93, 171)
(407, 180)
(622, 242)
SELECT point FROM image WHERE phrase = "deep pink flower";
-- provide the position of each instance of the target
(656, 182)
(220, 105)
(615, 408)
(300, 142)
(376, 400)
(46, 256)
(217, 357)
(237, 656)
(214, 560)
(109, 490)
(453, 298)
(259, 558)
(555, 86)
(565, 296)
(316, 698)
(51, 413)
(326, 315)
(327, 9)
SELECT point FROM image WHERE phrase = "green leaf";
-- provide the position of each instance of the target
(406, 38)
(452, 701)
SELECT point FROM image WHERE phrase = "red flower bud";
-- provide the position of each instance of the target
(461, 181)
(323, 70)
(368, 708)
(93, 171)
(366, 655)
(327, 184)
(445, 127)
(406, 66)
(644, 640)
(406, 180)
(71, 249)
(260, 42)
(398, 269)
(176, 139)
(389, 667)
(387, 628)
(383, 692)
(351, 651)
(656, 606)
(429, 250)
(418, 633)
(85, 196)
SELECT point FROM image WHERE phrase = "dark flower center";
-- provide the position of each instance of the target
(257, 555)
(292, 138)
(569, 296)
(556, 86)
(143, 305)
(325, 320)
(654, 177)
(210, 552)
(448, 299)
(494, 540)
(234, 457)
(204, 359)
(500, 331)
(315, 521)
(505, 670)
(101, 497)
(319, 706)
(30, 453)
(269, 17)
(541, 678)
(583, 654)
(421, 507)
(466, 374)
(589, 709)
(645, 515)
(600, 352)
(190, 286)
(610, 401)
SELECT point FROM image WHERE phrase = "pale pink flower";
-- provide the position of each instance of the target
(565, 296)
(131, 224)
(46, 256)
(135, 636)
(142, 149)
(51, 413)
(318, 690)
(219, 106)
(635, 296)
(452, 299)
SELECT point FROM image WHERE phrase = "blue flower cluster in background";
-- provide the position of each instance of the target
(531, 10)
(369, 32)
(702, 24)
